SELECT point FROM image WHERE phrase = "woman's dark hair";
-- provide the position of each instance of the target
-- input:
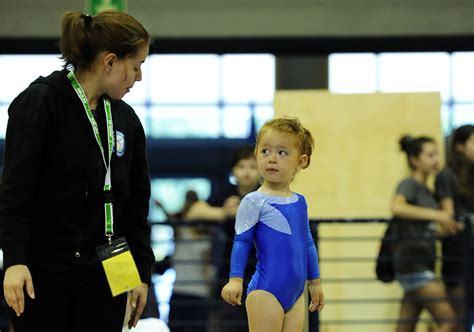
(246, 151)
(84, 37)
(413, 146)
(459, 163)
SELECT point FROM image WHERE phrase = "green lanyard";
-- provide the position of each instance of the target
(109, 215)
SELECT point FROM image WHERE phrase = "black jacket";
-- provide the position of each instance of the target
(51, 196)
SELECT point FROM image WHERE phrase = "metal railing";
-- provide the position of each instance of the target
(215, 312)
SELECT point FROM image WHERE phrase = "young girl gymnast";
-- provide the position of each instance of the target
(276, 220)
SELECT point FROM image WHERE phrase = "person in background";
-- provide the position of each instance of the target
(455, 190)
(190, 198)
(76, 178)
(222, 207)
(223, 203)
(419, 221)
(189, 303)
(276, 220)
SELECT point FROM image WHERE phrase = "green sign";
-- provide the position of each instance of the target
(95, 6)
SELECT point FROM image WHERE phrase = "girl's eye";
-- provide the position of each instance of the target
(283, 153)
(264, 151)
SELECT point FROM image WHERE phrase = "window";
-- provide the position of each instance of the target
(353, 73)
(18, 71)
(205, 95)
(452, 74)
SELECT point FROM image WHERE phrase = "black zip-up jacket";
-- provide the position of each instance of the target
(51, 196)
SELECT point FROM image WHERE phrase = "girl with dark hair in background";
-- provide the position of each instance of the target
(455, 190)
(72, 148)
(222, 206)
(418, 218)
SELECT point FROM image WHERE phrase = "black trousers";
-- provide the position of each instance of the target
(71, 303)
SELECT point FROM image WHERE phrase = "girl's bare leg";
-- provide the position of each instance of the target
(264, 312)
(409, 312)
(294, 318)
(434, 298)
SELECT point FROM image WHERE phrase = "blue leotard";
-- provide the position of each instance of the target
(287, 256)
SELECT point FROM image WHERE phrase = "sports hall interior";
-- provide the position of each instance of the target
(359, 73)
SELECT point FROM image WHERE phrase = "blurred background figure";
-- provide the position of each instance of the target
(222, 207)
(189, 303)
(455, 190)
(419, 218)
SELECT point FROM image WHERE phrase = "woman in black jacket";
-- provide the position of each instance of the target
(76, 178)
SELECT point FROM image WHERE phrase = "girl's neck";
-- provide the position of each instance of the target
(276, 189)
(420, 176)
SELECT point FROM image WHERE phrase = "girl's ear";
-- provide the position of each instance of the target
(459, 147)
(109, 60)
(303, 161)
(413, 161)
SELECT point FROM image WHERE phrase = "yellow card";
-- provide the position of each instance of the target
(122, 273)
(119, 266)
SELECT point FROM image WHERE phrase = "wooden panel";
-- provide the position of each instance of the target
(357, 162)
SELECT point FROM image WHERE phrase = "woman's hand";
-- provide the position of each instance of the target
(138, 298)
(17, 277)
(448, 225)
